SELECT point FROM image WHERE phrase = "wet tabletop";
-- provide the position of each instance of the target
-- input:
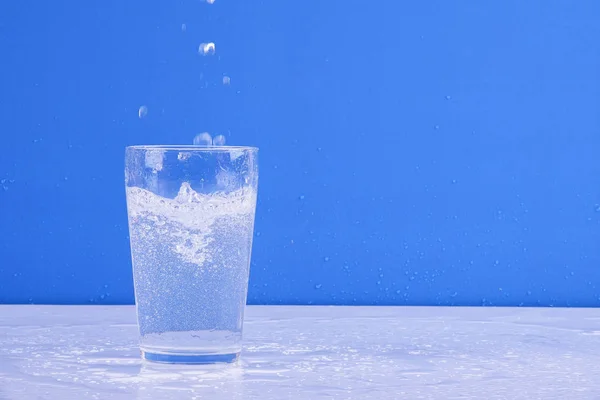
(81, 352)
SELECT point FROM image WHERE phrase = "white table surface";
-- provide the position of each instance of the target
(81, 352)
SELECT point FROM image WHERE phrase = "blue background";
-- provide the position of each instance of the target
(435, 152)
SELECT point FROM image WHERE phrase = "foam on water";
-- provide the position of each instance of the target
(186, 222)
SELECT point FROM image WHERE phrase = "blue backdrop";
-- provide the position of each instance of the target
(423, 152)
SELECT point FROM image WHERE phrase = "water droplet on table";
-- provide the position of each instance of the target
(203, 139)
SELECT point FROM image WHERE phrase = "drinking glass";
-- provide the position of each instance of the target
(191, 220)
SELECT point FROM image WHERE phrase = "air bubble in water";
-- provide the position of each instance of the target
(182, 156)
(206, 49)
(219, 140)
(226, 80)
(203, 139)
(142, 111)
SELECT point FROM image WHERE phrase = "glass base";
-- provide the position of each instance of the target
(190, 358)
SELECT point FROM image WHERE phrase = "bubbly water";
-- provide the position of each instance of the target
(191, 257)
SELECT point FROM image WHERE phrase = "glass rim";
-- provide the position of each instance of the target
(189, 147)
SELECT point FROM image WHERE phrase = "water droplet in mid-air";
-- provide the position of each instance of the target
(226, 80)
(218, 140)
(318, 286)
(183, 27)
(210, 1)
(142, 111)
(203, 139)
(206, 49)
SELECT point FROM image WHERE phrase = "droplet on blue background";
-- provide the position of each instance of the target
(142, 112)
(219, 140)
(207, 49)
(203, 139)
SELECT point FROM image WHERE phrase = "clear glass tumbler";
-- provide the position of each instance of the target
(191, 220)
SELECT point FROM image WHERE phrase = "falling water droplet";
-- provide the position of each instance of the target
(226, 80)
(219, 140)
(326, 259)
(183, 27)
(203, 139)
(206, 49)
(210, 1)
(142, 111)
